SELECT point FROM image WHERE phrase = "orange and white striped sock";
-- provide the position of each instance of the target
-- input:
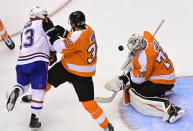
(96, 112)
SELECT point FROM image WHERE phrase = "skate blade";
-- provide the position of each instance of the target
(179, 115)
(9, 107)
(11, 103)
(22, 102)
(35, 129)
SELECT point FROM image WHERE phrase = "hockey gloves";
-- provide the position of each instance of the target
(50, 30)
(53, 57)
(61, 31)
(9, 43)
(118, 83)
(114, 84)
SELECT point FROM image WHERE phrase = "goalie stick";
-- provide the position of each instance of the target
(125, 66)
(106, 99)
(161, 23)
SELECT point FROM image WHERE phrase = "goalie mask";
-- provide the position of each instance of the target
(38, 11)
(136, 43)
(77, 18)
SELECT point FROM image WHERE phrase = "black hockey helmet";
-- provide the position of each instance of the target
(77, 18)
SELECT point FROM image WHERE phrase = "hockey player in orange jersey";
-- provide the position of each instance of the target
(148, 79)
(5, 37)
(78, 64)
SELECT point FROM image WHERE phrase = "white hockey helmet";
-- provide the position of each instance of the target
(38, 11)
(135, 43)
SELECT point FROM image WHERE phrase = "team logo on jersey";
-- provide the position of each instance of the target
(68, 42)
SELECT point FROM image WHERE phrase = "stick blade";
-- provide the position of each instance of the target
(106, 99)
(103, 100)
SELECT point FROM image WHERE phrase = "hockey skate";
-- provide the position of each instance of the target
(175, 113)
(12, 99)
(34, 123)
(26, 99)
(9, 43)
(109, 127)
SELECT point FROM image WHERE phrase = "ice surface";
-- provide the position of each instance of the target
(113, 21)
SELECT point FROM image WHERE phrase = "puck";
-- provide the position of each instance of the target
(120, 48)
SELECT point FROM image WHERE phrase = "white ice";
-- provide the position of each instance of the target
(113, 22)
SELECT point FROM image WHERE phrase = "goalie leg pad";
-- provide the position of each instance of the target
(151, 106)
(96, 112)
(154, 106)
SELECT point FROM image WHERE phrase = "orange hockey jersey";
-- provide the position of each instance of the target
(153, 64)
(3, 32)
(79, 52)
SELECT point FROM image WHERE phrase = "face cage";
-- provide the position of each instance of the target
(139, 47)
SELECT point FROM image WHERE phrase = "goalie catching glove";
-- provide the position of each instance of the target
(118, 83)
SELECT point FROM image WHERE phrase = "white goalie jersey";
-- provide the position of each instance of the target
(35, 45)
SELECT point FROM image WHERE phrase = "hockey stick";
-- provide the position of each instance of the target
(109, 99)
(158, 27)
(106, 99)
(124, 66)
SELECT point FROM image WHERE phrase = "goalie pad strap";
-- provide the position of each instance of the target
(126, 97)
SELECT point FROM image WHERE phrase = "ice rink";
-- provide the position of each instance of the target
(113, 21)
